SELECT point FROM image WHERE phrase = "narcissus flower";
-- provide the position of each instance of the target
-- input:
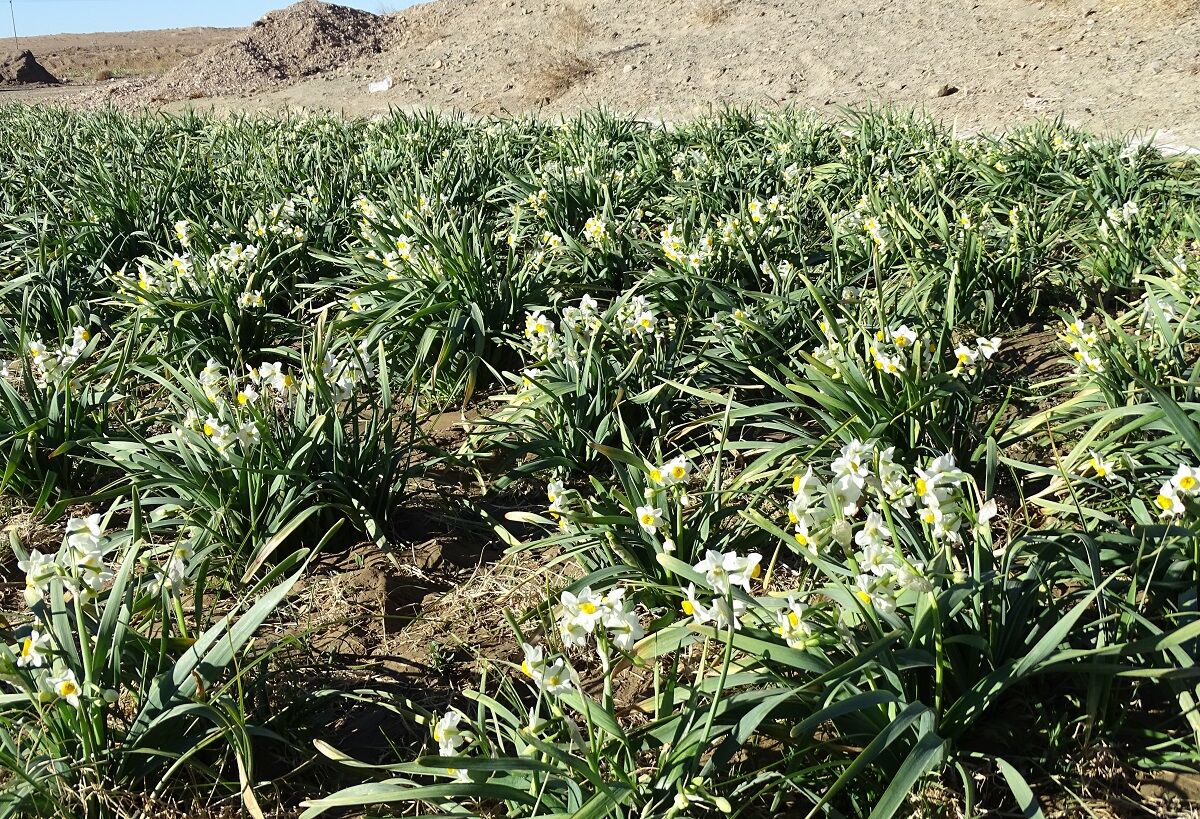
(66, 687)
(449, 736)
(649, 517)
(551, 677)
(723, 570)
(1186, 480)
(793, 627)
(1169, 504)
(1102, 467)
(34, 650)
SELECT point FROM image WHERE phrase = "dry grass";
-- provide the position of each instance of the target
(712, 12)
(573, 27)
(561, 63)
(468, 615)
(554, 72)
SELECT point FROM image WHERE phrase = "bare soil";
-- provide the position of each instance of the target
(22, 68)
(81, 58)
(978, 64)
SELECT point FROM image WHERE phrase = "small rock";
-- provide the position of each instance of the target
(628, 68)
(943, 90)
(380, 86)
(1156, 66)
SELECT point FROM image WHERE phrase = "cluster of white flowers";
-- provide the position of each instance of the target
(550, 243)
(233, 258)
(892, 350)
(595, 229)
(587, 614)
(860, 218)
(1173, 493)
(52, 365)
(534, 202)
(779, 274)
(345, 376)
(539, 330)
(760, 213)
(550, 675)
(178, 274)
(967, 357)
(675, 249)
(79, 563)
(722, 571)
(820, 512)
(584, 319)
(277, 220)
(271, 377)
(1084, 342)
(794, 626)
(1120, 217)
(638, 318)
(80, 567)
(226, 437)
(634, 317)
(898, 350)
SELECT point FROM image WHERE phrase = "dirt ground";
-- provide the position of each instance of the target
(980, 64)
(80, 58)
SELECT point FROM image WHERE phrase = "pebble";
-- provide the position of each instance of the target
(941, 90)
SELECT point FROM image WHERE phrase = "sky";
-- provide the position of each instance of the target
(35, 17)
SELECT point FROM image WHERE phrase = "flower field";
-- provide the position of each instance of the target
(852, 468)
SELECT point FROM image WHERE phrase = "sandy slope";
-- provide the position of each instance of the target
(1107, 66)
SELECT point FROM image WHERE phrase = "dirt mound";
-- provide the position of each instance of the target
(307, 38)
(24, 69)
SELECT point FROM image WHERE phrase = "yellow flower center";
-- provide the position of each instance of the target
(922, 486)
(678, 472)
(863, 596)
(1165, 502)
(209, 429)
(757, 570)
(802, 538)
(687, 607)
(587, 607)
(1187, 483)
(793, 619)
(27, 647)
(526, 669)
(66, 688)
(656, 475)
